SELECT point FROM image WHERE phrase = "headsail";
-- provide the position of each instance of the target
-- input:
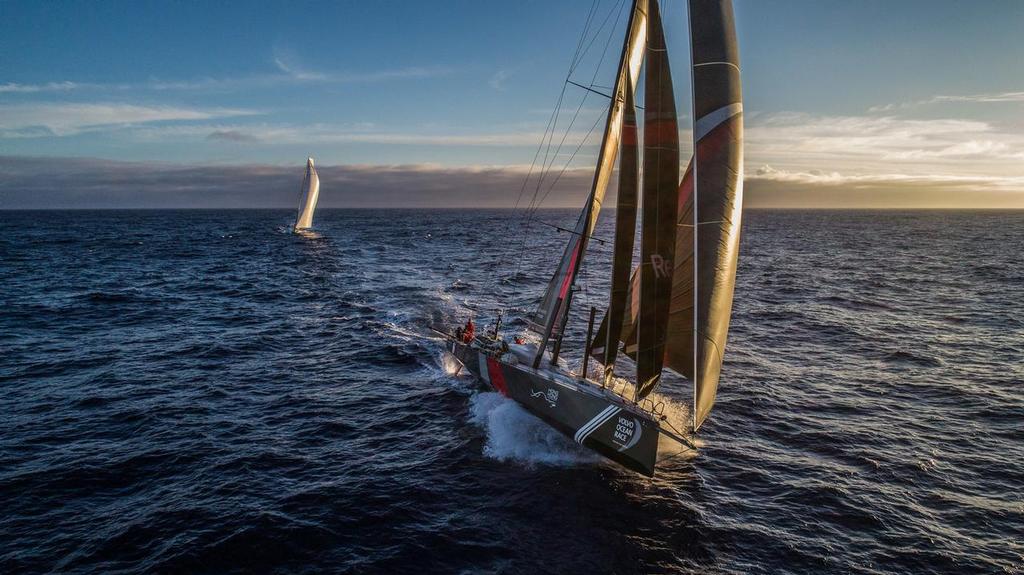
(718, 187)
(310, 194)
(605, 346)
(550, 316)
(660, 206)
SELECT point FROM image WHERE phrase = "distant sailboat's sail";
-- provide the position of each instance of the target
(605, 346)
(310, 194)
(550, 316)
(660, 207)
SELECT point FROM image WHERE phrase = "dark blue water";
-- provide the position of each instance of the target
(203, 392)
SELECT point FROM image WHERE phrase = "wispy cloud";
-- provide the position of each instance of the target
(63, 119)
(230, 136)
(819, 178)
(770, 187)
(13, 88)
(988, 98)
(346, 134)
(288, 63)
(883, 143)
(497, 80)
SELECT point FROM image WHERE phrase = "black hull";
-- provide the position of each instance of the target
(596, 419)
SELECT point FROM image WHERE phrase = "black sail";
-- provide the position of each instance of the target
(717, 190)
(605, 344)
(710, 198)
(660, 199)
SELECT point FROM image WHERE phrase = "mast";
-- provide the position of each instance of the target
(551, 316)
(660, 208)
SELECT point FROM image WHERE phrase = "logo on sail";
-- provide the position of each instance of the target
(550, 396)
(627, 432)
(661, 266)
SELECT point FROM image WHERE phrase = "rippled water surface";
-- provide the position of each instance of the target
(201, 391)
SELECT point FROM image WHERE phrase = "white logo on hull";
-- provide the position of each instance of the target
(627, 432)
(550, 396)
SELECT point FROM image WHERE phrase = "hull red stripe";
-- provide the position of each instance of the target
(497, 377)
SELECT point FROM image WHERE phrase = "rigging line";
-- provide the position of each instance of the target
(566, 166)
(578, 61)
(548, 136)
(534, 205)
(553, 119)
(603, 24)
(574, 232)
(590, 89)
(578, 54)
(597, 69)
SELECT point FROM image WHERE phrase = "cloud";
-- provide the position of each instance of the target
(230, 136)
(946, 181)
(345, 134)
(287, 62)
(883, 144)
(989, 98)
(34, 182)
(497, 81)
(290, 73)
(12, 88)
(34, 120)
(95, 183)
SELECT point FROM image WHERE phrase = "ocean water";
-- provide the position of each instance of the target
(203, 392)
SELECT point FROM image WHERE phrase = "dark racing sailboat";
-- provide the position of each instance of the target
(672, 310)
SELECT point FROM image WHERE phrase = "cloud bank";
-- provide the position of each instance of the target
(46, 183)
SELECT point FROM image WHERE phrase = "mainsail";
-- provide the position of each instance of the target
(658, 234)
(710, 199)
(310, 193)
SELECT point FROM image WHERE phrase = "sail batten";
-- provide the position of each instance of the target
(310, 195)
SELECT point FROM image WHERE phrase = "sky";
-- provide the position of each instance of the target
(894, 103)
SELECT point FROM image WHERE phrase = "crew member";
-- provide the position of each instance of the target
(469, 331)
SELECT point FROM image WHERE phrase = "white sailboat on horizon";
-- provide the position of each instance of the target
(310, 194)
